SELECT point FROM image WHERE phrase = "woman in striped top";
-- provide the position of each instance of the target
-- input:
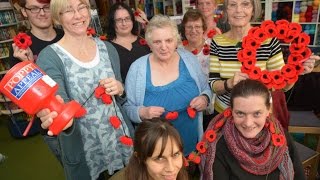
(224, 65)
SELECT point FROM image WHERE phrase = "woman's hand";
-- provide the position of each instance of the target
(308, 65)
(151, 112)
(112, 86)
(22, 54)
(238, 76)
(142, 18)
(46, 116)
(199, 103)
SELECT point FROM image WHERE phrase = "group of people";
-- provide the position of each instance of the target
(167, 88)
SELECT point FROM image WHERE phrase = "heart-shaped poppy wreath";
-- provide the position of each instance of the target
(283, 30)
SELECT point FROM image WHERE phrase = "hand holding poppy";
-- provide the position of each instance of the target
(112, 86)
(151, 112)
(22, 54)
(308, 65)
(199, 103)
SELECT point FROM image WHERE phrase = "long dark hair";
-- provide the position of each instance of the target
(146, 137)
(111, 25)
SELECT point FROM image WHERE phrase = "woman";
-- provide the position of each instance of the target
(79, 64)
(224, 64)
(251, 144)
(158, 153)
(123, 34)
(193, 27)
(167, 83)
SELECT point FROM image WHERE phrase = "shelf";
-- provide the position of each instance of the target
(3, 57)
(6, 25)
(15, 111)
(3, 72)
(4, 41)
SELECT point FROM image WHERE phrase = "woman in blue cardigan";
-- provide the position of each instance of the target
(168, 83)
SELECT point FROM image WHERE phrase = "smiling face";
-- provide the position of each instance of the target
(194, 31)
(250, 114)
(40, 20)
(206, 7)
(166, 166)
(75, 18)
(163, 43)
(123, 22)
(239, 12)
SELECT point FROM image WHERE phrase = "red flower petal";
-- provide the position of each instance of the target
(99, 91)
(211, 33)
(218, 124)
(255, 73)
(195, 51)
(206, 50)
(227, 112)
(106, 99)
(136, 13)
(270, 31)
(197, 160)
(251, 43)
(265, 77)
(81, 112)
(279, 86)
(191, 156)
(211, 135)
(103, 37)
(91, 31)
(266, 23)
(185, 42)
(172, 115)
(191, 112)
(306, 54)
(282, 30)
(201, 147)
(126, 140)
(276, 77)
(115, 121)
(260, 35)
(22, 40)
(294, 58)
(291, 35)
(295, 27)
(299, 68)
(288, 71)
(278, 140)
(251, 31)
(282, 22)
(240, 56)
(142, 42)
(249, 64)
(303, 39)
(249, 54)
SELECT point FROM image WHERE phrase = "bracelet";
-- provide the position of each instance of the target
(225, 85)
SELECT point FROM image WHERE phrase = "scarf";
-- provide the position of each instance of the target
(257, 156)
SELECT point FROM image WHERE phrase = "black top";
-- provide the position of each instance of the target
(36, 46)
(226, 166)
(127, 57)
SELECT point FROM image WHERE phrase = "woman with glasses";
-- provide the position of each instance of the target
(225, 67)
(91, 144)
(167, 83)
(123, 34)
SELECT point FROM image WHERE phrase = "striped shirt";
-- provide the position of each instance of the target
(224, 62)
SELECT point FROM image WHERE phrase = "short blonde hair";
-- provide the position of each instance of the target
(57, 6)
(161, 21)
(256, 4)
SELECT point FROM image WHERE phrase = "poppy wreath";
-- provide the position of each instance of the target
(22, 40)
(285, 31)
(277, 139)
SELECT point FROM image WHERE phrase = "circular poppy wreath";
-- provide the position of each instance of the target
(285, 31)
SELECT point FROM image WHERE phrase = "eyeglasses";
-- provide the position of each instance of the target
(244, 5)
(121, 20)
(189, 28)
(37, 9)
(82, 9)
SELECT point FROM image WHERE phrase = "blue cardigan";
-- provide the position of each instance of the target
(135, 85)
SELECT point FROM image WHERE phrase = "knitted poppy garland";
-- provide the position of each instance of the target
(285, 31)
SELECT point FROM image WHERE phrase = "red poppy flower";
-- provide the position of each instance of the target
(136, 13)
(197, 159)
(191, 112)
(115, 121)
(260, 35)
(270, 31)
(282, 30)
(211, 135)
(272, 128)
(91, 31)
(249, 53)
(294, 58)
(299, 68)
(296, 48)
(106, 99)
(185, 42)
(252, 30)
(99, 91)
(103, 37)
(126, 140)
(220, 123)
(306, 54)
(288, 71)
(276, 77)
(291, 35)
(303, 39)
(172, 115)
(22, 40)
(278, 139)
(295, 27)
(251, 43)
(282, 22)
(81, 112)
(266, 23)
(211, 33)
(142, 42)
(255, 73)
(265, 77)
(191, 156)
(269, 85)
(195, 51)
(279, 86)
(185, 162)
(227, 112)
(201, 147)
(240, 56)
(249, 64)
(245, 70)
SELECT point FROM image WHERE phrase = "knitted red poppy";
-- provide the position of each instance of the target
(126, 140)
(192, 113)
(194, 158)
(201, 147)
(115, 121)
(278, 139)
(227, 112)
(99, 91)
(142, 42)
(211, 135)
(283, 30)
(195, 51)
(185, 42)
(206, 49)
(103, 37)
(220, 123)
(91, 31)
(22, 40)
(211, 33)
(106, 98)
(172, 115)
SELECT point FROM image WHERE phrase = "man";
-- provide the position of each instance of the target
(42, 32)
